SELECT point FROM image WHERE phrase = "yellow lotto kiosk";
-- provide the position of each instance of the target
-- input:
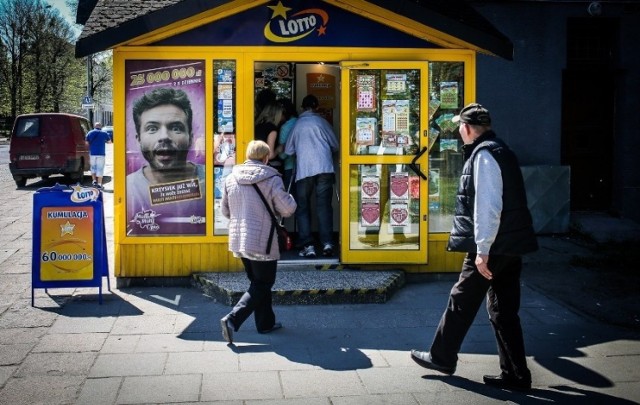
(389, 76)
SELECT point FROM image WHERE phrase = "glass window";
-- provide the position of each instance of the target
(384, 207)
(446, 98)
(385, 117)
(224, 138)
(28, 128)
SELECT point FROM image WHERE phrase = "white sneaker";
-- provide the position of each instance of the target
(308, 251)
(327, 249)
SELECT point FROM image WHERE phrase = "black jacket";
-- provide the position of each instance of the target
(515, 233)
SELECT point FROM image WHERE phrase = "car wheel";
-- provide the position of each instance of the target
(45, 177)
(78, 174)
(21, 182)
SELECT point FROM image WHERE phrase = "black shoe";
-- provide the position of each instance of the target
(227, 329)
(509, 383)
(424, 359)
(275, 326)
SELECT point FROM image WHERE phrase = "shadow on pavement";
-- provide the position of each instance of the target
(561, 394)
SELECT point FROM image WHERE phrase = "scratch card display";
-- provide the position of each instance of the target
(449, 95)
(449, 144)
(399, 214)
(366, 93)
(370, 214)
(399, 182)
(395, 116)
(396, 83)
(370, 187)
(370, 201)
(366, 131)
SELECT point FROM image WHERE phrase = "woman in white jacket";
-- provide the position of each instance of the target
(250, 228)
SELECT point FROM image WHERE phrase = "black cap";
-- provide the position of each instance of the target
(473, 114)
(310, 101)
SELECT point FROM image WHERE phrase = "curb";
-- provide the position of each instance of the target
(227, 288)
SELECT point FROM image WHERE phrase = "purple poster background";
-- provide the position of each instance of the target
(172, 207)
(145, 75)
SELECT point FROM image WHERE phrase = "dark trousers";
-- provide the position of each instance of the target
(503, 304)
(323, 186)
(257, 299)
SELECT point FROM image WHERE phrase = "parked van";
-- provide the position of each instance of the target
(48, 143)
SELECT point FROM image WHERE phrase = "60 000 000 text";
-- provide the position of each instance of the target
(64, 257)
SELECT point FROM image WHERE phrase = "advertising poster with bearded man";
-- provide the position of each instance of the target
(165, 111)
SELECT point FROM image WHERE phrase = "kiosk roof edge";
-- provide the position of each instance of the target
(119, 22)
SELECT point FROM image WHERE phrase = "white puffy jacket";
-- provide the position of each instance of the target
(250, 223)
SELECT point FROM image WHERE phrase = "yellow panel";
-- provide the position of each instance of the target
(176, 260)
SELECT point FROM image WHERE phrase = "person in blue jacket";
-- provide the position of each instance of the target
(96, 140)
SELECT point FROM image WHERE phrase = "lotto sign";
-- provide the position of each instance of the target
(66, 246)
(69, 240)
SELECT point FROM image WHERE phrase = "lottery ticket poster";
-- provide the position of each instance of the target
(370, 201)
(449, 95)
(399, 185)
(366, 93)
(395, 116)
(224, 107)
(449, 144)
(399, 214)
(370, 188)
(370, 214)
(396, 84)
(366, 131)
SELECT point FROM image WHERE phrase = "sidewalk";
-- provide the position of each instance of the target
(153, 345)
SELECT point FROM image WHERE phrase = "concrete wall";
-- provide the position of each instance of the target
(524, 96)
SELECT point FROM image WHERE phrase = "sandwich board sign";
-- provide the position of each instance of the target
(69, 239)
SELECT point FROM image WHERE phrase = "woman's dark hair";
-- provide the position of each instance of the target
(310, 102)
(264, 98)
(289, 108)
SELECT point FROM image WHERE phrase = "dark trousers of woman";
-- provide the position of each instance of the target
(257, 299)
(503, 304)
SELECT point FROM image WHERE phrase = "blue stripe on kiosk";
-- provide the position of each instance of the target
(69, 239)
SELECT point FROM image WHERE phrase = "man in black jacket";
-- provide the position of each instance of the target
(492, 224)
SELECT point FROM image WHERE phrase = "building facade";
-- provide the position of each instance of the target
(389, 76)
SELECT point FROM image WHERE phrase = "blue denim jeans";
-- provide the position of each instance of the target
(323, 186)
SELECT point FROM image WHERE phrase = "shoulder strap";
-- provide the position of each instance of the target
(266, 204)
(274, 221)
